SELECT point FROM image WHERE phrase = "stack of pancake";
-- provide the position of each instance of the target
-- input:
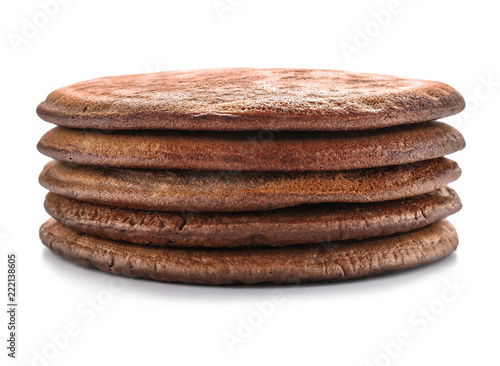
(230, 176)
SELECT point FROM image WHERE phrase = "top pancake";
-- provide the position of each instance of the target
(249, 99)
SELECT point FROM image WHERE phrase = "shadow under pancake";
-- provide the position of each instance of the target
(145, 288)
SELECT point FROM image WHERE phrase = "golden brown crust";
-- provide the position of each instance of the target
(285, 151)
(297, 225)
(249, 99)
(187, 190)
(215, 266)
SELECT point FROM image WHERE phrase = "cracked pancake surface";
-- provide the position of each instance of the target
(296, 225)
(236, 99)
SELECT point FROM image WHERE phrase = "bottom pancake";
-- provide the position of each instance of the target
(303, 224)
(291, 264)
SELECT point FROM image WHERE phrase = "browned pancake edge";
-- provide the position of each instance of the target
(249, 99)
(292, 264)
(303, 224)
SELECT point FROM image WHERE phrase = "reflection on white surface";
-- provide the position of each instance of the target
(78, 275)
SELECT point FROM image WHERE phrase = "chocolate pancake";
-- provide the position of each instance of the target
(188, 190)
(216, 266)
(285, 151)
(249, 99)
(296, 225)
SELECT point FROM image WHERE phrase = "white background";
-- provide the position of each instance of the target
(143, 322)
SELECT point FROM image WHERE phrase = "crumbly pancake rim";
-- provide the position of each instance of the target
(293, 264)
(303, 224)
